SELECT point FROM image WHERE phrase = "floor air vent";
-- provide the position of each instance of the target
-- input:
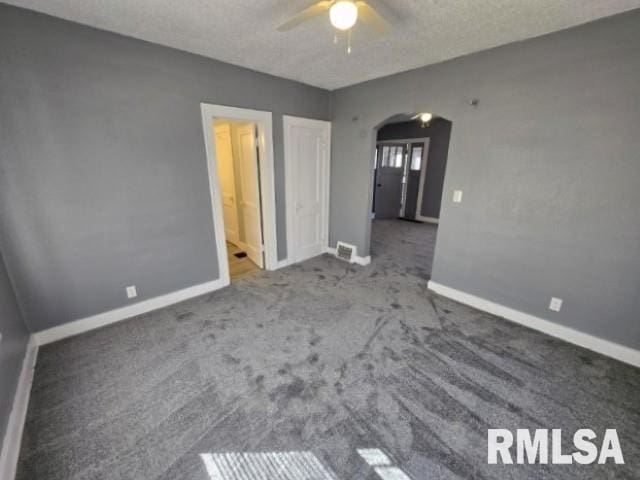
(345, 252)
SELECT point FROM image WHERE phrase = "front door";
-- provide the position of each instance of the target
(250, 204)
(389, 180)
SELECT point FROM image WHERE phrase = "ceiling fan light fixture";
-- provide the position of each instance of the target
(343, 14)
(425, 117)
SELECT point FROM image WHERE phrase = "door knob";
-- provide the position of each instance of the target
(379, 185)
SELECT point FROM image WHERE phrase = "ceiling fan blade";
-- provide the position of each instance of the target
(306, 14)
(372, 18)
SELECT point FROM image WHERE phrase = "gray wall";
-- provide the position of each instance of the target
(549, 164)
(439, 132)
(12, 347)
(103, 177)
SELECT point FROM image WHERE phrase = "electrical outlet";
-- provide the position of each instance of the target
(131, 292)
(457, 196)
(555, 304)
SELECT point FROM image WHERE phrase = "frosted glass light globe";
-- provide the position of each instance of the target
(343, 14)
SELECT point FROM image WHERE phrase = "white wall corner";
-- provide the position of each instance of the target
(591, 342)
(112, 316)
(13, 436)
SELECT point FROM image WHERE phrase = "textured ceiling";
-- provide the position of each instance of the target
(243, 32)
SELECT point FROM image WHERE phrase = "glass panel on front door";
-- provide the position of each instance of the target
(416, 157)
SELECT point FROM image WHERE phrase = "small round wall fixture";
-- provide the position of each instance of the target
(343, 14)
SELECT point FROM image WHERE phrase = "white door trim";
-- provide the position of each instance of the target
(15, 425)
(403, 140)
(264, 123)
(423, 177)
(289, 121)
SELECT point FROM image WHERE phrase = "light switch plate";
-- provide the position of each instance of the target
(457, 196)
(555, 304)
(131, 292)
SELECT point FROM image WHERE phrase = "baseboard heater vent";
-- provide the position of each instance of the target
(346, 252)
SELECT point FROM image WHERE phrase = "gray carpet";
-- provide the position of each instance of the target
(324, 358)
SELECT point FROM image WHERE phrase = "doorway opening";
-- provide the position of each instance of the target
(409, 164)
(238, 171)
(398, 177)
(241, 179)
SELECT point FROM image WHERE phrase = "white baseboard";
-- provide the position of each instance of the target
(364, 261)
(332, 251)
(433, 220)
(13, 437)
(15, 426)
(282, 264)
(112, 316)
(597, 344)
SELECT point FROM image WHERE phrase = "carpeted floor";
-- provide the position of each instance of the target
(319, 359)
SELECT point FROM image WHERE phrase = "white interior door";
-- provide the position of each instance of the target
(224, 155)
(250, 204)
(307, 177)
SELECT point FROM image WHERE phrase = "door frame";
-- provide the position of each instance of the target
(227, 128)
(264, 124)
(423, 175)
(242, 130)
(289, 121)
(423, 171)
(377, 169)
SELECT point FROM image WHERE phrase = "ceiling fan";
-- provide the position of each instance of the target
(424, 117)
(343, 15)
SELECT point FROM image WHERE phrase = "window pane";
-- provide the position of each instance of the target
(398, 158)
(416, 158)
(375, 159)
(385, 157)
